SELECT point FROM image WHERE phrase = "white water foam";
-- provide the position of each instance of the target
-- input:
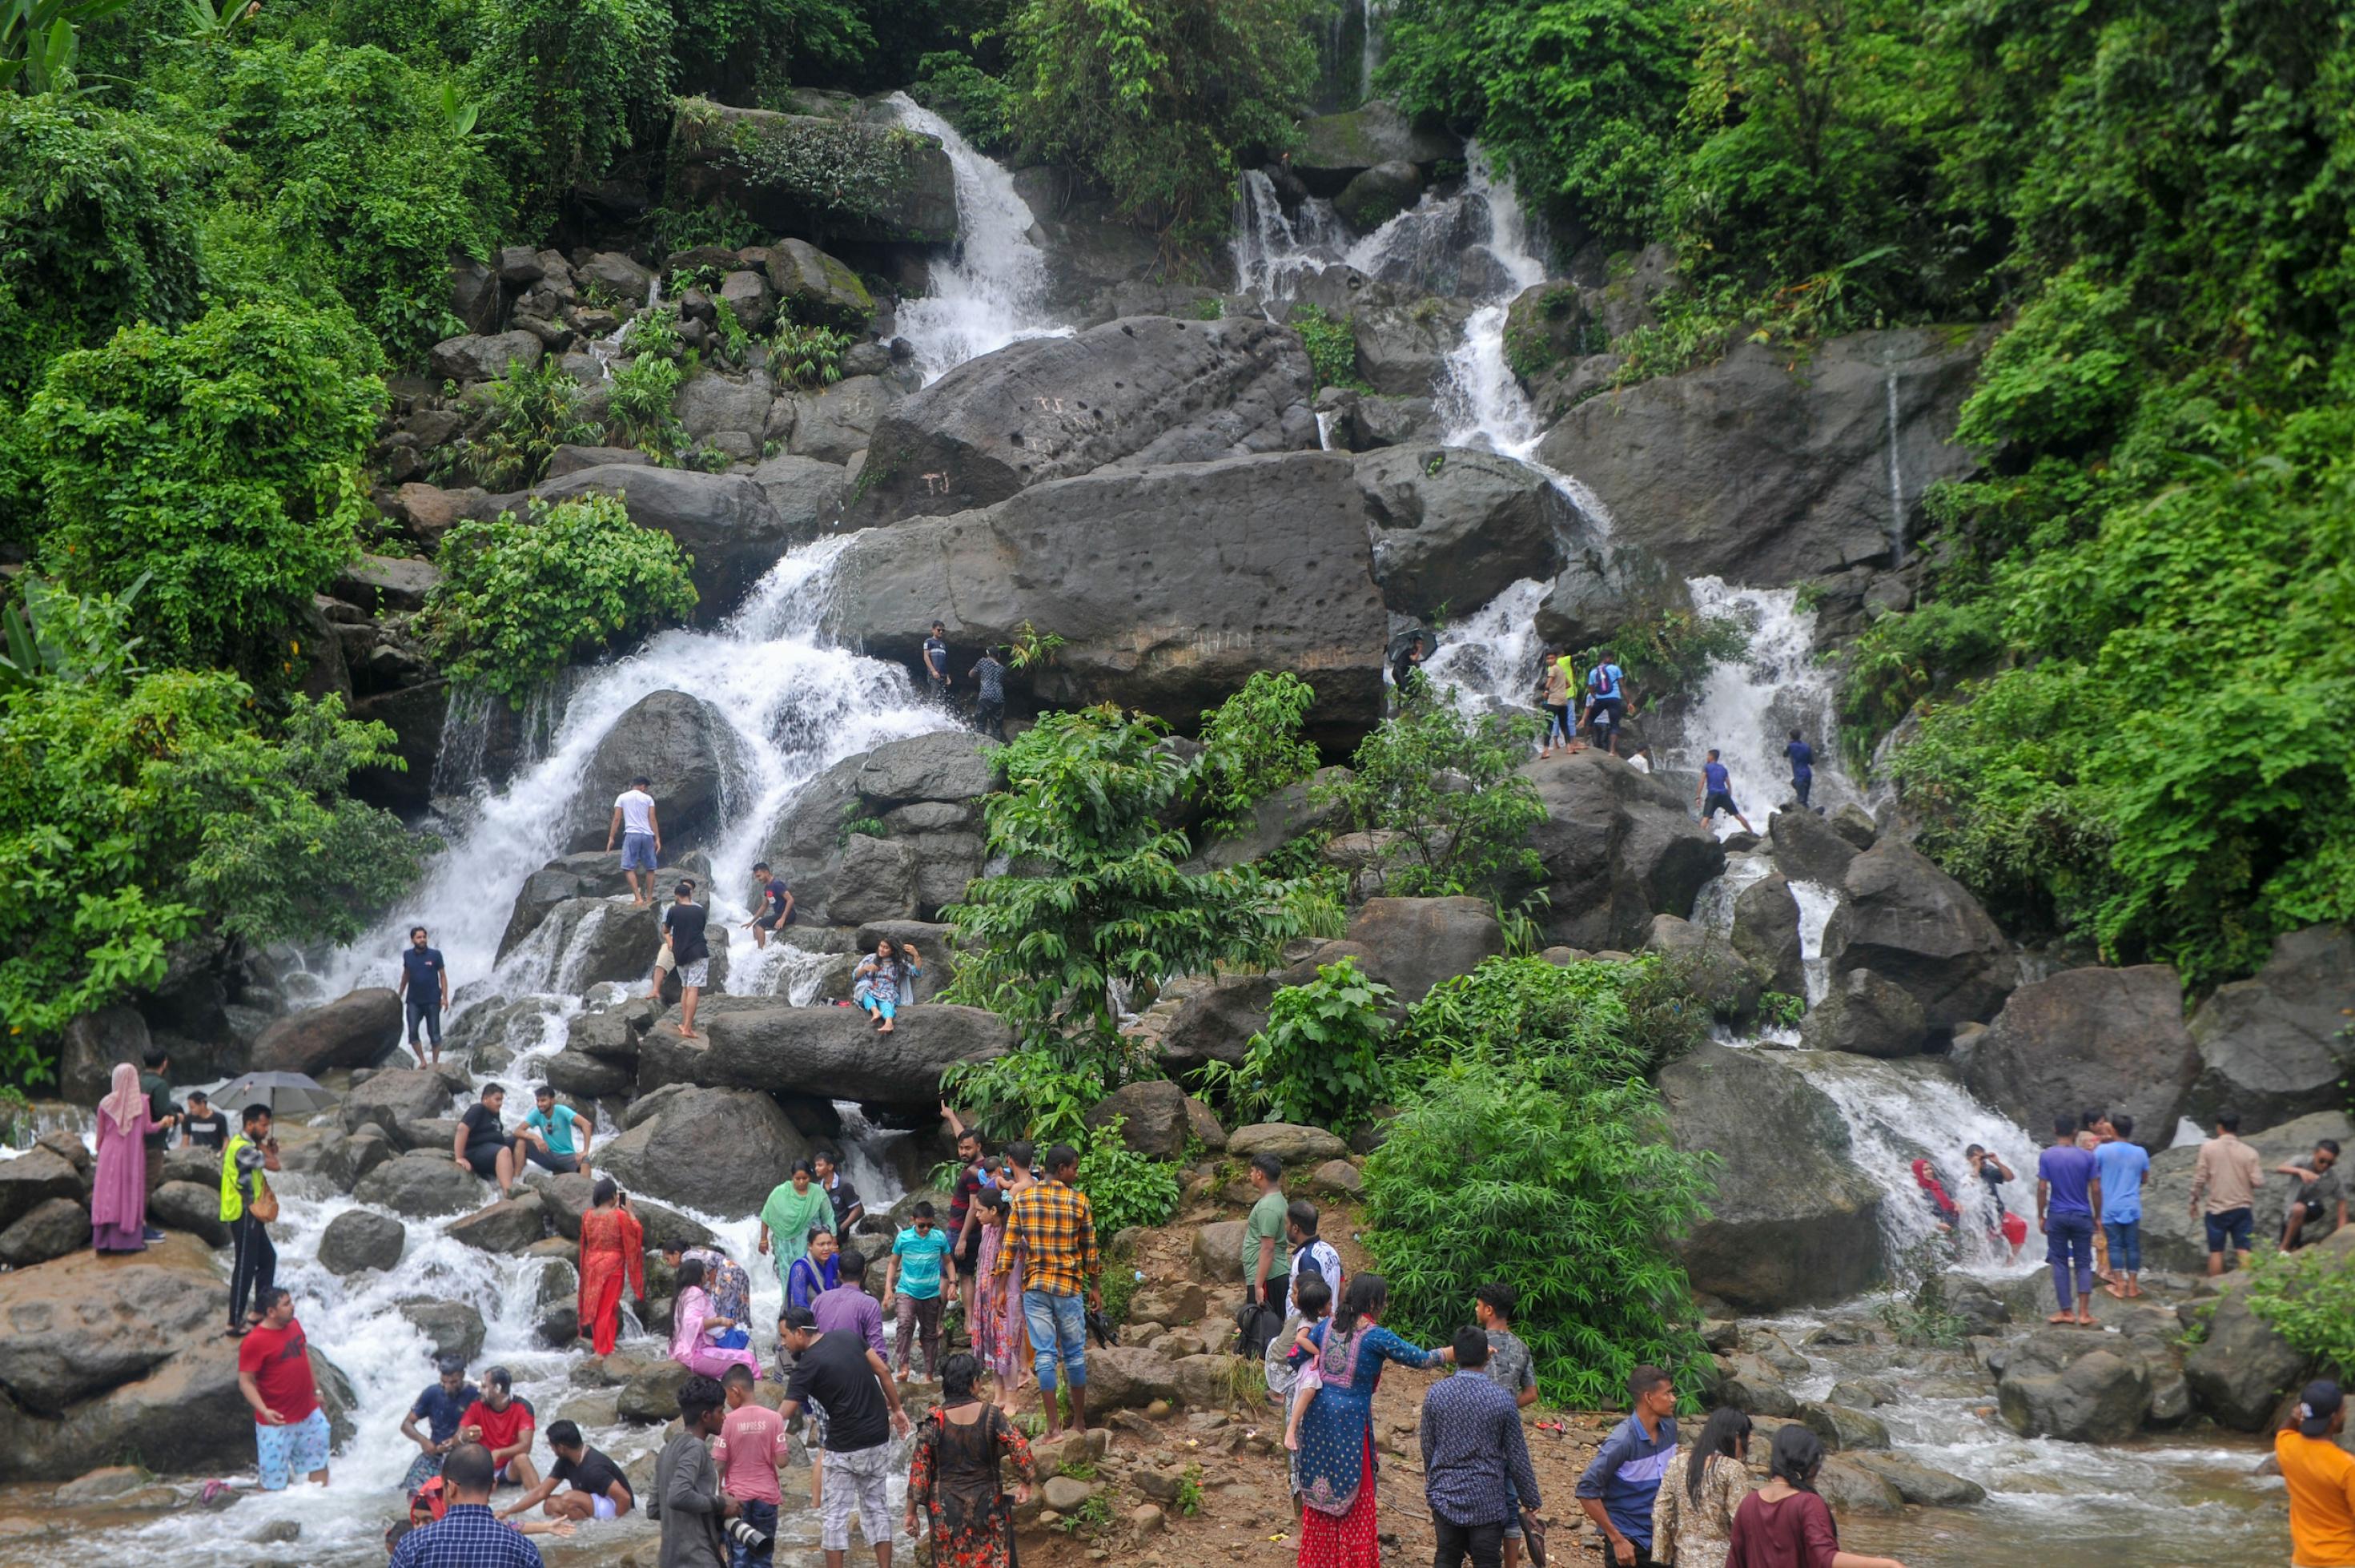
(991, 290)
(1747, 706)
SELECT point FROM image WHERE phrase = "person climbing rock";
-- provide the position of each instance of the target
(1553, 696)
(1717, 792)
(1606, 700)
(640, 828)
(936, 663)
(989, 675)
(1803, 767)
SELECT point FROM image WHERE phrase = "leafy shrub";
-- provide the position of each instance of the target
(718, 222)
(1319, 1060)
(807, 358)
(1673, 653)
(2308, 1299)
(1252, 747)
(519, 599)
(978, 104)
(640, 405)
(1123, 1187)
(1332, 346)
(736, 48)
(1449, 788)
(533, 413)
(1516, 1008)
(568, 84)
(222, 462)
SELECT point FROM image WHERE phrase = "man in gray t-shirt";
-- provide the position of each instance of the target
(1511, 1368)
(2318, 1204)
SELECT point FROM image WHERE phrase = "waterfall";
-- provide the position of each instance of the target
(991, 290)
(1896, 476)
(1369, 53)
(1747, 706)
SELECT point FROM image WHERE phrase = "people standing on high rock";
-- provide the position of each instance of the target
(989, 675)
(1053, 1228)
(1716, 793)
(1553, 696)
(482, 1143)
(2002, 1224)
(613, 1254)
(688, 1499)
(2318, 1204)
(936, 663)
(1477, 1472)
(911, 1287)
(424, 991)
(1623, 1480)
(156, 1083)
(685, 938)
(772, 904)
(247, 1206)
(884, 981)
(2226, 1177)
(862, 1415)
(442, 1407)
(274, 1373)
(201, 1124)
(1606, 700)
(2123, 1167)
(826, 1166)
(118, 1194)
(2068, 1196)
(2320, 1476)
(2093, 1131)
(1803, 768)
(1267, 1259)
(641, 834)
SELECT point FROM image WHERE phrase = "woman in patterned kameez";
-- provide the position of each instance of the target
(1336, 1462)
(955, 1477)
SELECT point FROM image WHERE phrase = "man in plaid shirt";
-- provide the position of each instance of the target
(1053, 1228)
(468, 1535)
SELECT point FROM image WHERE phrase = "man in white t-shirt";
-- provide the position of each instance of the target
(641, 834)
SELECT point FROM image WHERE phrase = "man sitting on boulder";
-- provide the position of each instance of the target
(482, 1143)
(2318, 1204)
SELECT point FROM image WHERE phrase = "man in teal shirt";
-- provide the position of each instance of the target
(919, 1257)
(556, 1137)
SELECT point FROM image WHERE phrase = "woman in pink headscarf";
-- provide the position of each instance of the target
(118, 1201)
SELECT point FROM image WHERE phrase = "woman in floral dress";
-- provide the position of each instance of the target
(954, 1477)
(1335, 1466)
(1692, 1515)
(994, 1306)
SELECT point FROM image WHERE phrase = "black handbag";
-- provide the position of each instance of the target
(1258, 1323)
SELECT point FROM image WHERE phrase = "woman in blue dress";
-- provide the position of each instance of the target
(1335, 1462)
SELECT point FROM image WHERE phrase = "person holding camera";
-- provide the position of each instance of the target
(612, 1247)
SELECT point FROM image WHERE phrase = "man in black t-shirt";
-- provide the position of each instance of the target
(425, 991)
(854, 1387)
(773, 905)
(482, 1145)
(599, 1489)
(690, 952)
(202, 1126)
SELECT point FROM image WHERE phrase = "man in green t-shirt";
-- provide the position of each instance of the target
(1267, 1259)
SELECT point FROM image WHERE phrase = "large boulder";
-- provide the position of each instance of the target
(1403, 349)
(395, 1100)
(842, 179)
(473, 358)
(1129, 1376)
(1807, 849)
(1724, 981)
(2078, 1387)
(2242, 1370)
(190, 1206)
(830, 1052)
(421, 1185)
(1909, 921)
(1216, 1023)
(1276, 573)
(55, 1227)
(448, 1327)
(1866, 1016)
(723, 521)
(815, 287)
(1618, 847)
(2111, 1038)
(1766, 934)
(32, 1178)
(1794, 1222)
(1135, 394)
(1418, 942)
(2172, 1237)
(672, 1154)
(503, 1228)
(357, 1240)
(1289, 1142)
(591, 941)
(694, 761)
(1336, 148)
(2278, 1044)
(1153, 1113)
(589, 874)
(806, 492)
(93, 1043)
(1761, 470)
(1458, 526)
(922, 789)
(356, 1030)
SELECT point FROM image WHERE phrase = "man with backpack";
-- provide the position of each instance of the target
(1606, 700)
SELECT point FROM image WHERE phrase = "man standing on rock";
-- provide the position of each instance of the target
(641, 834)
(1057, 1226)
(687, 1497)
(1476, 1459)
(826, 1166)
(1606, 700)
(2227, 1176)
(989, 701)
(1717, 792)
(690, 950)
(936, 664)
(772, 904)
(2318, 1204)
(1803, 767)
(274, 1373)
(912, 1285)
(424, 991)
(862, 1415)
(1265, 1256)
(1620, 1486)
(156, 1083)
(247, 1205)
(2123, 1167)
(2068, 1196)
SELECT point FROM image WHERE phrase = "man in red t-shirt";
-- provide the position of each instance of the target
(274, 1373)
(502, 1424)
(749, 1445)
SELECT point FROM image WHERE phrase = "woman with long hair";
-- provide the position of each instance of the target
(1335, 1462)
(1693, 1516)
(613, 1249)
(884, 981)
(955, 1478)
(696, 1329)
(1783, 1524)
(994, 1305)
(118, 1197)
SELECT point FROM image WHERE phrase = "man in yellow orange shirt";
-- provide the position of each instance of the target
(2321, 1479)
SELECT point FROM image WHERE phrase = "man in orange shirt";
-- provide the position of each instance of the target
(2321, 1479)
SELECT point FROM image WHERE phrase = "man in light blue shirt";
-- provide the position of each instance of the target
(2123, 1167)
(554, 1137)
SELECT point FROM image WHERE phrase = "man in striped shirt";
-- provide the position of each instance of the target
(1053, 1228)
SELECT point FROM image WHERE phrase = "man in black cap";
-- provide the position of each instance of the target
(2320, 1476)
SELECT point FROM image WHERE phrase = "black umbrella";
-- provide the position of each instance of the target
(286, 1094)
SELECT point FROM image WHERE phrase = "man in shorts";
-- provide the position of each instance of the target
(862, 1416)
(600, 1491)
(502, 1423)
(482, 1143)
(772, 904)
(274, 1373)
(425, 992)
(641, 834)
(2224, 1181)
(1717, 792)
(689, 950)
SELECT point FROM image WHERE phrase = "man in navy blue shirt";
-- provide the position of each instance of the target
(1474, 1458)
(1618, 1488)
(425, 986)
(442, 1407)
(1717, 792)
(468, 1535)
(1803, 766)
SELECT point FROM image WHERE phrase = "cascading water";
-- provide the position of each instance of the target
(1747, 708)
(992, 289)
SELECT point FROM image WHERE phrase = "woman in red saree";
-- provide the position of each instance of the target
(612, 1245)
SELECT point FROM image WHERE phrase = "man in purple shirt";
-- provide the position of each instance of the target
(847, 1309)
(2068, 1196)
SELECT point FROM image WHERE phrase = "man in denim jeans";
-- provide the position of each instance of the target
(1054, 1227)
(2068, 1196)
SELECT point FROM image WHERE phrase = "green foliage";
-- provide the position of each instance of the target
(1534, 1152)
(1922, 1317)
(1332, 346)
(1190, 1491)
(568, 84)
(1673, 653)
(1159, 102)
(1252, 747)
(39, 40)
(1527, 1006)
(1450, 789)
(533, 413)
(1123, 1187)
(222, 462)
(808, 358)
(1031, 648)
(140, 806)
(1782, 1009)
(520, 599)
(640, 405)
(1319, 1060)
(2308, 1299)
(978, 104)
(835, 165)
(736, 50)
(718, 222)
